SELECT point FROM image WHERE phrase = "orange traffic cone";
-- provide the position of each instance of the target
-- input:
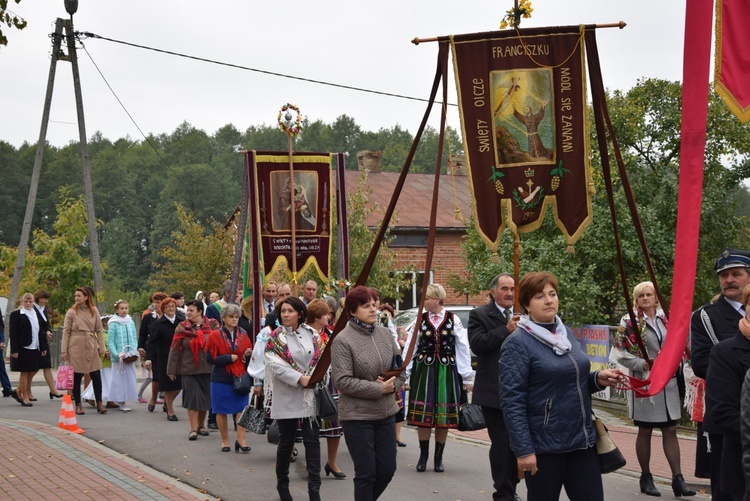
(67, 419)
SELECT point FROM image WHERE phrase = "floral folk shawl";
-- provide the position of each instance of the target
(219, 344)
(197, 333)
(626, 339)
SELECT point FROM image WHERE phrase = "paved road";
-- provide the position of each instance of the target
(149, 439)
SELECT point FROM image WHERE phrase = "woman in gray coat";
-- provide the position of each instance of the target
(661, 410)
(292, 351)
(361, 353)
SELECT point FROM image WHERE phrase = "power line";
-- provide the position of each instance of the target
(88, 34)
(125, 109)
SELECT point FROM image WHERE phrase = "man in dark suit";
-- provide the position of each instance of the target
(283, 291)
(710, 324)
(489, 326)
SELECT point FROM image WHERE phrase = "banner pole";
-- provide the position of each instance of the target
(293, 215)
(417, 40)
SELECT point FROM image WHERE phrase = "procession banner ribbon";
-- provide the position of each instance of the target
(311, 204)
(522, 101)
(732, 66)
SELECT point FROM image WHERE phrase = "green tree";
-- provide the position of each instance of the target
(198, 258)
(10, 19)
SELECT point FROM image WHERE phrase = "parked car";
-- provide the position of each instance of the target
(406, 319)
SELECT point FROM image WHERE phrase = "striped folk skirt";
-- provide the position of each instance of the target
(435, 395)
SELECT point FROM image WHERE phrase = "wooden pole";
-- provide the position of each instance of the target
(35, 174)
(417, 40)
(293, 208)
(516, 278)
(87, 187)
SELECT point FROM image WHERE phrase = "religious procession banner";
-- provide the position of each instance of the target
(522, 100)
(732, 67)
(273, 205)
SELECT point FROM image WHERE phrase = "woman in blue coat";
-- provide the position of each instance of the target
(546, 388)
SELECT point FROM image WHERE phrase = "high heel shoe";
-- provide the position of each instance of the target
(26, 404)
(336, 474)
(225, 449)
(238, 448)
(79, 410)
(647, 485)
(33, 399)
(100, 408)
(54, 395)
(151, 408)
(680, 488)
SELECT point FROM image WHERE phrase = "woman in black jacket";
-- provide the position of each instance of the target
(157, 353)
(28, 344)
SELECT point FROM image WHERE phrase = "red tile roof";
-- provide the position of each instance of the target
(414, 202)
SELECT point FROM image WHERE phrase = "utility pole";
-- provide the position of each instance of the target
(88, 191)
(58, 54)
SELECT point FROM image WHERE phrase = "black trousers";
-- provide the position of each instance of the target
(96, 379)
(311, 439)
(718, 493)
(502, 460)
(577, 471)
(372, 446)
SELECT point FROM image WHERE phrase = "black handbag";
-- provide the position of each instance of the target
(252, 418)
(610, 457)
(325, 403)
(242, 384)
(471, 418)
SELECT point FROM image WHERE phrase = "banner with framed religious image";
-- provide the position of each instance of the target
(273, 205)
(522, 100)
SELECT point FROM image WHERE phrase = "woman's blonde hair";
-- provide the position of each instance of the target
(640, 289)
(435, 291)
(746, 296)
(25, 297)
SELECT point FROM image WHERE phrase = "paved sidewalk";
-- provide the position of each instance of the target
(44, 462)
(624, 434)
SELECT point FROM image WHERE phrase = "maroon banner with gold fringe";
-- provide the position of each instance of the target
(732, 70)
(275, 205)
(522, 98)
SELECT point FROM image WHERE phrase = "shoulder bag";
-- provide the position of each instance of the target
(252, 418)
(610, 457)
(470, 418)
(242, 384)
(325, 403)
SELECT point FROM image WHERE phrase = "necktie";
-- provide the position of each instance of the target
(270, 307)
(508, 314)
(435, 319)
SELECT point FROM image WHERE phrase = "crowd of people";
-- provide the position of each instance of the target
(532, 380)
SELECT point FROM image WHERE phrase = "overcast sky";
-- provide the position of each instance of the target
(361, 44)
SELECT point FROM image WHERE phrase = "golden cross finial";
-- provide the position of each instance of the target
(529, 183)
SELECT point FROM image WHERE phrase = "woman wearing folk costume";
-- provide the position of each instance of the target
(319, 317)
(292, 351)
(187, 358)
(229, 350)
(661, 410)
(439, 369)
(122, 341)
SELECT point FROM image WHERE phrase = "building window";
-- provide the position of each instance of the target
(414, 292)
(408, 240)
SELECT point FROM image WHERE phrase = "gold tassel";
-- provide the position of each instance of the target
(570, 250)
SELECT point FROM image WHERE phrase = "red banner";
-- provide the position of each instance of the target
(732, 70)
(522, 98)
(310, 205)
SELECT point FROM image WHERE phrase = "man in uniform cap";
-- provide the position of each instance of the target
(710, 324)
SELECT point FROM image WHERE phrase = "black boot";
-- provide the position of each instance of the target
(647, 485)
(680, 488)
(439, 457)
(284, 493)
(424, 455)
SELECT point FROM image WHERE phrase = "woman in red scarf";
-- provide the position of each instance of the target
(229, 350)
(187, 358)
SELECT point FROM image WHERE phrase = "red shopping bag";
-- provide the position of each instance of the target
(64, 378)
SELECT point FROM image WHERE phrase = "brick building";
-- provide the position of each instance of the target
(412, 218)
